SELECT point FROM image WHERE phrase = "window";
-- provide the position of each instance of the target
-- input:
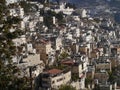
(82, 65)
(59, 79)
(53, 82)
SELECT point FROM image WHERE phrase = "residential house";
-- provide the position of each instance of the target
(20, 41)
(101, 76)
(103, 65)
(33, 62)
(43, 48)
(90, 72)
(94, 54)
(12, 1)
(78, 69)
(67, 11)
(54, 78)
(58, 43)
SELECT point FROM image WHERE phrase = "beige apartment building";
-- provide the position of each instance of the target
(54, 78)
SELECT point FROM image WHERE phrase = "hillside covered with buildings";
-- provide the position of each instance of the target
(46, 45)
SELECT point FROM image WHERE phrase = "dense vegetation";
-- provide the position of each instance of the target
(67, 87)
(8, 71)
(48, 17)
(28, 7)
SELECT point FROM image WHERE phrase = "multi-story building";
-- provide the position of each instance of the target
(12, 1)
(54, 78)
(43, 48)
(78, 70)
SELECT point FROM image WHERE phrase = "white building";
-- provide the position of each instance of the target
(84, 13)
(21, 12)
(32, 25)
(13, 12)
(77, 33)
(76, 18)
(41, 19)
(17, 12)
(69, 36)
(12, 1)
(54, 20)
(22, 26)
(62, 8)
(19, 41)
(30, 48)
(32, 61)
(58, 43)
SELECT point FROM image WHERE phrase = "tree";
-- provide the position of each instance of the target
(67, 87)
(63, 55)
(48, 17)
(88, 81)
(70, 5)
(60, 17)
(8, 71)
(28, 7)
(48, 21)
(75, 77)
